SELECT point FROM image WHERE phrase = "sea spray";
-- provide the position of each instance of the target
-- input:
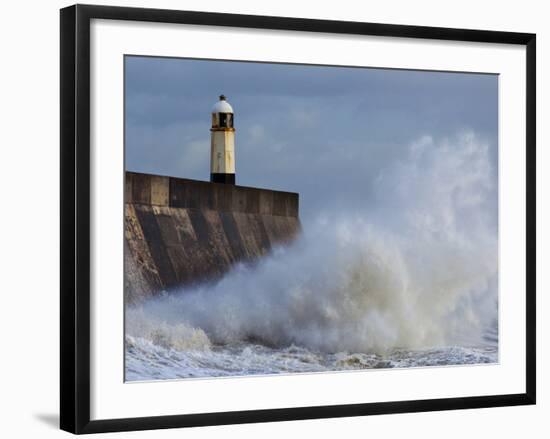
(418, 270)
(177, 335)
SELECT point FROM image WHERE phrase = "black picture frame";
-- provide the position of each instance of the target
(75, 217)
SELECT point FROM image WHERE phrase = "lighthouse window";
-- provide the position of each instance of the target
(226, 120)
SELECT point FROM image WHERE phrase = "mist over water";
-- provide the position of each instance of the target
(410, 279)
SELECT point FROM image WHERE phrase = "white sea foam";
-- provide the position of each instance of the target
(417, 272)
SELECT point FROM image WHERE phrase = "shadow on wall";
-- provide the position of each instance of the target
(49, 419)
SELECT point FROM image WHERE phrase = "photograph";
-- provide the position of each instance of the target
(292, 218)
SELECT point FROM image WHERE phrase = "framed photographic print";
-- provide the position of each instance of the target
(268, 218)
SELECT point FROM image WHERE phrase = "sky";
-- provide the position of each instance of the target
(326, 132)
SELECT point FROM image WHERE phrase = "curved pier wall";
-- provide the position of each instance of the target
(180, 232)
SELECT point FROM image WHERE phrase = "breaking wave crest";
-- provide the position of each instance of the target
(417, 271)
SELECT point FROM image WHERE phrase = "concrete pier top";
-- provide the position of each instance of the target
(194, 194)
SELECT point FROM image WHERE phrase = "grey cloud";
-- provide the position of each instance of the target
(325, 132)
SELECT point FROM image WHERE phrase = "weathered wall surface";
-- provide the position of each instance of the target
(179, 232)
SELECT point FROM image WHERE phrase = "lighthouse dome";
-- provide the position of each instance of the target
(222, 106)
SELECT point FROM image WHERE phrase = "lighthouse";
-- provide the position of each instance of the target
(222, 143)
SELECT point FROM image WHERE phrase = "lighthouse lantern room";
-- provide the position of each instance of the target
(222, 158)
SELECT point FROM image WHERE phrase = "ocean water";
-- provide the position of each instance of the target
(411, 280)
(146, 361)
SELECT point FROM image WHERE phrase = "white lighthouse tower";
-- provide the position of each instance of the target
(222, 158)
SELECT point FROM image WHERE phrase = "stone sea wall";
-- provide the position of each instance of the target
(180, 232)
